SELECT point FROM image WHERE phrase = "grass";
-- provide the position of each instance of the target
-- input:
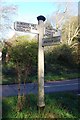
(57, 73)
(58, 105)
(63, 76)
(10, 79)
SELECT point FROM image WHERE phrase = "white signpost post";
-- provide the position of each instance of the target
(39, 29)
(41, 102)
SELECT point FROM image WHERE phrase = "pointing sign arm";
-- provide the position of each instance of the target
(51, 41)
(26, 27)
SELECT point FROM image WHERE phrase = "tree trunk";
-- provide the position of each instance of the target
(19, 104)
(69, 36)
(24, 92)
(26, 72)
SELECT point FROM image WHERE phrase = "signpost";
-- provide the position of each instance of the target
(52, 33)
(41, 102)
(51, 41)
(49, 33)
(26, 27)
(39, 29)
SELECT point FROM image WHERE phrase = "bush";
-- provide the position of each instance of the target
(57, 58)
(24, 52)
(4, 52)
(61, 55)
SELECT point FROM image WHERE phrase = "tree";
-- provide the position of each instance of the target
(65, 19)
(58, 17)
(7, 13)
(70, 31)
(48, 25)
(63, 12)
(23, 53)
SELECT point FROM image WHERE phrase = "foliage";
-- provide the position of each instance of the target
(4, 52)
(59, 56)
(7, 13)
(1, 45)
(24, 52)
(78, 52)
(48, 25)
(58, 105)
(70, 31)
(60, 61)
(60, 74)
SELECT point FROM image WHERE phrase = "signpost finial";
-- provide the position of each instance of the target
(41, 17)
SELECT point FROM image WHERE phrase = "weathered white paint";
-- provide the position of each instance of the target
(41, 102)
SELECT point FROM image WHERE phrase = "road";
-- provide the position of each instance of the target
(50, 87)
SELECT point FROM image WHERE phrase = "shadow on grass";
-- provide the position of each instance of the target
(58, 105)
(66, 102)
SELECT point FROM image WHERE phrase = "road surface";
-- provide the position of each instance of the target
(50, 87)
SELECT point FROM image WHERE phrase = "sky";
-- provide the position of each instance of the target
(28, 10)
(40, 0)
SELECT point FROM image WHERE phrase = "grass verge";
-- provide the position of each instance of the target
(10, 79)
(58, 105)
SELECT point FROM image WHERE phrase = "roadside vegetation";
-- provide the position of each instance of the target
(61, 62)
(20, 66)
(10, 79)
(58, 105)
(20, 55)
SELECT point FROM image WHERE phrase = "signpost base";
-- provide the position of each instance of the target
(40, 108)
